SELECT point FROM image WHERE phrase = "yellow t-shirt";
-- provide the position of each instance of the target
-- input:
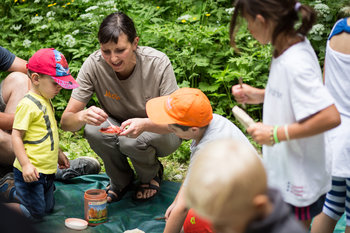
(41, 137)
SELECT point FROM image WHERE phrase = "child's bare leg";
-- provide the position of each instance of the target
(306, 223)
(14, 87)
(323, 224)
(7, 155)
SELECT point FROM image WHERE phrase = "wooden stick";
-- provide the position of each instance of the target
(240, 80)
(242, 117)
(110, 123)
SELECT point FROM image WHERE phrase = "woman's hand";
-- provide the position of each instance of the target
(29, 173)
(133, 127)
(93, 116)
(248, 94)
(262, 134)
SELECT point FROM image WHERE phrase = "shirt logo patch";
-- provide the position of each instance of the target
(112, 96)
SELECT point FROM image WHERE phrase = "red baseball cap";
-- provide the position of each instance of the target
(51, 62)
(185, 106)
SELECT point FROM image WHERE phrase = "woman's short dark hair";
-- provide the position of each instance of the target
(114, 25)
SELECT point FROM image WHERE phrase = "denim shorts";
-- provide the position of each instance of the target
(37, 197)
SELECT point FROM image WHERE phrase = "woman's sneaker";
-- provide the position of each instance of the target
(78, 167)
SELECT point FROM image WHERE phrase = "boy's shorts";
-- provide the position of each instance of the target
(193, 224)
(36, 197)
(308, 212)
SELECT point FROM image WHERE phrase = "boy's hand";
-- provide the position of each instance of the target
(133, 127)
(261, 133)
(168, 211)
(63, 161)
(30, 174)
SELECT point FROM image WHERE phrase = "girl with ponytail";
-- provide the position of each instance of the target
(297, 107)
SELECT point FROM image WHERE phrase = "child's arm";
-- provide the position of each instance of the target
(320, 122)
(248, 94)
(63, 161)
(178, 214)
(29, 172)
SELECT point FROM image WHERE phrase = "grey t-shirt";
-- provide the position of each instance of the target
(152, 77)
(219, 128)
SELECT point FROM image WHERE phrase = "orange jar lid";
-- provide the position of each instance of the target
(95, 194)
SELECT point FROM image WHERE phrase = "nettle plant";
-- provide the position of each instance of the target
(193, 33)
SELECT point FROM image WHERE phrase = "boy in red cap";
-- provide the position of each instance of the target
(35, 134)
(189, 115)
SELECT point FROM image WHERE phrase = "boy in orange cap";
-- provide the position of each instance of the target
(189, 115)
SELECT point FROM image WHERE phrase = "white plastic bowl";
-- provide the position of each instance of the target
(76, 223)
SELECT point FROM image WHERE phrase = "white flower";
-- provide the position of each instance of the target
(91, 8)
(35, 19)
(107, 3)
(44, 26)
(26, 43)
(317, 29)
(75, 32)
(178, 177)
(322, 9)
(184, 17)
(37, 1)
(230, 10)
(50, 14)
(69, 40)
(92, 23)
(345, 10)
(85, 1)
(16, 27)
(86, 16)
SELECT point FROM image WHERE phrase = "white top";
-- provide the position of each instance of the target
(299, 168)
(219, 128)
(337, 80)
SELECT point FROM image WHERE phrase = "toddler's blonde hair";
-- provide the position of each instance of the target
(225, 177)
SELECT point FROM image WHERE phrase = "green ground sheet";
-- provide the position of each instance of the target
(124, 215)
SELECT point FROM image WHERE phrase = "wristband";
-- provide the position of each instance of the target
(275, 134)
(286, 132)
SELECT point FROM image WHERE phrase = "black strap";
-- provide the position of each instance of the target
(47, 122)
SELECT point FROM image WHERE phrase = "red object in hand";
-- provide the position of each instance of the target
(111, 130)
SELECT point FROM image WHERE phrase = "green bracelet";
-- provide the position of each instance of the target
(275, 134)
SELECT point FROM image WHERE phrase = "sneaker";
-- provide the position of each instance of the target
(78, 167)
(7, 188)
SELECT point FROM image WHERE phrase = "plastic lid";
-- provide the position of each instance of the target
(76, 223)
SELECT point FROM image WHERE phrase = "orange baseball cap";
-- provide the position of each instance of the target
(185, 106)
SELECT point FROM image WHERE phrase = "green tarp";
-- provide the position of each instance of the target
(123, 215)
